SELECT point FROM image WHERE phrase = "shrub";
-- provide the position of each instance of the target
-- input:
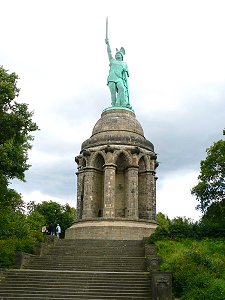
(198, 267)
(18, 233)
(8, 247)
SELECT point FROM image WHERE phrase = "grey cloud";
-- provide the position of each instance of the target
(181, 137)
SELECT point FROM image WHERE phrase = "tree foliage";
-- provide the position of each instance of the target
(211, 186)
(215, 214)
(211, 225)
(175, 229)
(54, 213)
(15, 139)
(16, 235)
(21, 232)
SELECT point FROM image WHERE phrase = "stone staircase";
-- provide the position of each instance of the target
(81, 269)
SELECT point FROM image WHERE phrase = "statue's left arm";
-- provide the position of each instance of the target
(126, 70)
(125, 75)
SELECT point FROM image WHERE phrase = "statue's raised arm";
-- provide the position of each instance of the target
(108, 49)
(117, 78)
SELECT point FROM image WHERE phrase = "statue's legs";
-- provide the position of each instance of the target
(121, 101)
(112, 87)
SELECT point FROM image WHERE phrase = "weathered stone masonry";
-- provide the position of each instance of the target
(116, 178)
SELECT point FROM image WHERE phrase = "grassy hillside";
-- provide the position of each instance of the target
(198, 267)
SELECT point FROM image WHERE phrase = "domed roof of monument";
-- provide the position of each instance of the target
(118, 127)
(118, 120)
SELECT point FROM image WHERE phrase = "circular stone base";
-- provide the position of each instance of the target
(119, 107)
(110, 230)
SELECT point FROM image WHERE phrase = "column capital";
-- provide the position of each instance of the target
(149, 172)
(133, 167)
(109, 165)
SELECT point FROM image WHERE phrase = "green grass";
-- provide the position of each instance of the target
(198, 267)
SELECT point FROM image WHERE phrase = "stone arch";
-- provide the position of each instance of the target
(126, 155)
(98, 162)
(97, 159)
(122, 162)
(144, 163)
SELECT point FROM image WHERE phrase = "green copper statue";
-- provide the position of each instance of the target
(117, 78)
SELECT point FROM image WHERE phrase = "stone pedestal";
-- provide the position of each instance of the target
(110, 230)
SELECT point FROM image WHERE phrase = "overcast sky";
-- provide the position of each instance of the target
(175, 51)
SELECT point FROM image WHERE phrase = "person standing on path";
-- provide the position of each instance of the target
(51, 229)
(58, 230)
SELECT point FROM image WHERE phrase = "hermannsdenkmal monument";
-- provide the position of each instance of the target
(116, 176)
(103, 255)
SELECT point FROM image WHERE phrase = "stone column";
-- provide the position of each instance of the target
(132, 193)
(154, 199)
(88, 205)
(109, 191)
(80, 194)
(151, 195)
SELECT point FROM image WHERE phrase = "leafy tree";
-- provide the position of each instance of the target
(16, 235)
(211, 186)
(215, 214)
(15, 140)
(212, 223)
(49, 209)
(35, 221)
(54, 213)
(175, 229)
(13, 224)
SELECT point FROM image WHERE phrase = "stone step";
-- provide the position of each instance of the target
(88, 257)
(97, 251)
(85, 265)
(47, 265)
(91, 269)
(58, 245)
(105, 286)
(71, 287)
(89, 253)
(98, 242)
(100, 250)
(80, 284)
(42, 275)
(98, 264)
(81, 269)
(81, 296)
(77, 292)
